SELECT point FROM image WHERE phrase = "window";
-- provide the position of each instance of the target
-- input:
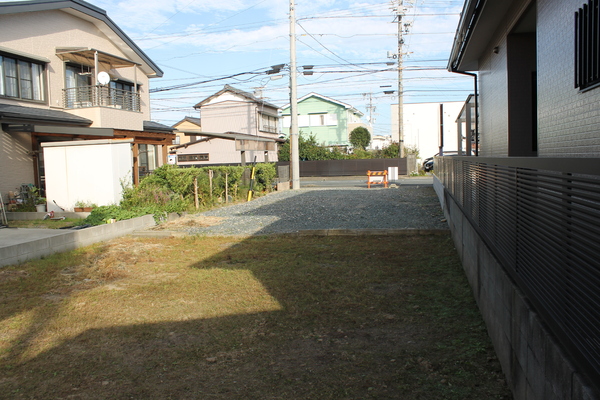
(120, 95)
(303, 120)
(21, 79)
(317, 119)
(192, 157)
(331, 119)
(78, 83)
(268, 123)
(323, 119)
(147, 159)
(587, 45)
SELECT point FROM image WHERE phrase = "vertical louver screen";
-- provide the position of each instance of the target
(587, 45)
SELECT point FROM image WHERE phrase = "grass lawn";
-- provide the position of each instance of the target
(45, 223)
(275, 317)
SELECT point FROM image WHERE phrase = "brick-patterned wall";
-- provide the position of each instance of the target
(493, 87)
(16, 166)
(569, 120)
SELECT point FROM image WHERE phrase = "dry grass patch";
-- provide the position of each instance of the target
(188, 221)
(261, 318)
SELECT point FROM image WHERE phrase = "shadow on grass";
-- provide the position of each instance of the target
(336, 318)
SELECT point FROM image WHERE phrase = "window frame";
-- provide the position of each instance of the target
(22, 88)
(193, 157)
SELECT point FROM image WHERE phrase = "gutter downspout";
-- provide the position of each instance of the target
(476, 107)
(457, 55)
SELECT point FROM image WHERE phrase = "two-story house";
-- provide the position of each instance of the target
(235, 127)
(67, 72)
(329, 120)
(524, 210)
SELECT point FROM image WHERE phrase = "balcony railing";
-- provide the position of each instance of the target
(100, 96)
(270, 129)
(541, 219)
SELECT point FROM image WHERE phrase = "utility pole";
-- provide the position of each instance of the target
(294, 151)
(399, 15)
(371, 108)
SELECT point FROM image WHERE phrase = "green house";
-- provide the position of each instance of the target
(329, 120)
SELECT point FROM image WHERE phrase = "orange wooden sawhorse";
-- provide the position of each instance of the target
(377, 174)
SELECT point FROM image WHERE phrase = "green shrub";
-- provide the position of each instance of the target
(100, 215)
(171, 189)
(264, 177)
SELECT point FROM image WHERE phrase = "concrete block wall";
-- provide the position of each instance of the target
(70, 240)
(532, 360)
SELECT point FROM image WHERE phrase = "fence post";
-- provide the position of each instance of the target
(226, 188)
(196, 193)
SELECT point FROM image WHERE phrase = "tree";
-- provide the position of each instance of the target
(360, 137)
(309, 150)
(391, 151)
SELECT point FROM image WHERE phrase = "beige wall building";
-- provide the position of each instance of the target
(67, 72)
(233, 110)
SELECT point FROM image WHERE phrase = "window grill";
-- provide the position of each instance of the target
(587, 45)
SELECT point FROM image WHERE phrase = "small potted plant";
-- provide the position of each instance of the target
(38, 201)
(40, 204)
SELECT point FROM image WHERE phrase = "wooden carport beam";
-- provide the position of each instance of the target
(136, 172)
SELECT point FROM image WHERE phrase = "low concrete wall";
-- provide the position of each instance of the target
(533, 362)
(70, 240)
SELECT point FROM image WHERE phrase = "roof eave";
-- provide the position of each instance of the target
(478, 23)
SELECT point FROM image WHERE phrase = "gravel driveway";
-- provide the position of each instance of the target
(403, 207)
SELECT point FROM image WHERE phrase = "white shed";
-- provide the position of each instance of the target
(90, 171)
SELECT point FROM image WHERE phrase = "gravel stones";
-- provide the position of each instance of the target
(405, 207)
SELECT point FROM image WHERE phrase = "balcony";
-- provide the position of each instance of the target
(101, 96)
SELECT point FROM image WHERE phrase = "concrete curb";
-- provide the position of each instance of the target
(371, 232)
(310, 232)
(36, 247)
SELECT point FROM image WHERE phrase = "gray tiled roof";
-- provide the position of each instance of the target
(151, 126)
(229, 88)
(10, 113)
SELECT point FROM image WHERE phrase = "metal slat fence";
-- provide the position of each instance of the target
(541, 218)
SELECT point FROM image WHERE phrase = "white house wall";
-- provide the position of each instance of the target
(90, 172)
(422, 126)
(223, 97)
(40, 33)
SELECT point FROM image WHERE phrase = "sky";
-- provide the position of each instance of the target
(201, 45)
